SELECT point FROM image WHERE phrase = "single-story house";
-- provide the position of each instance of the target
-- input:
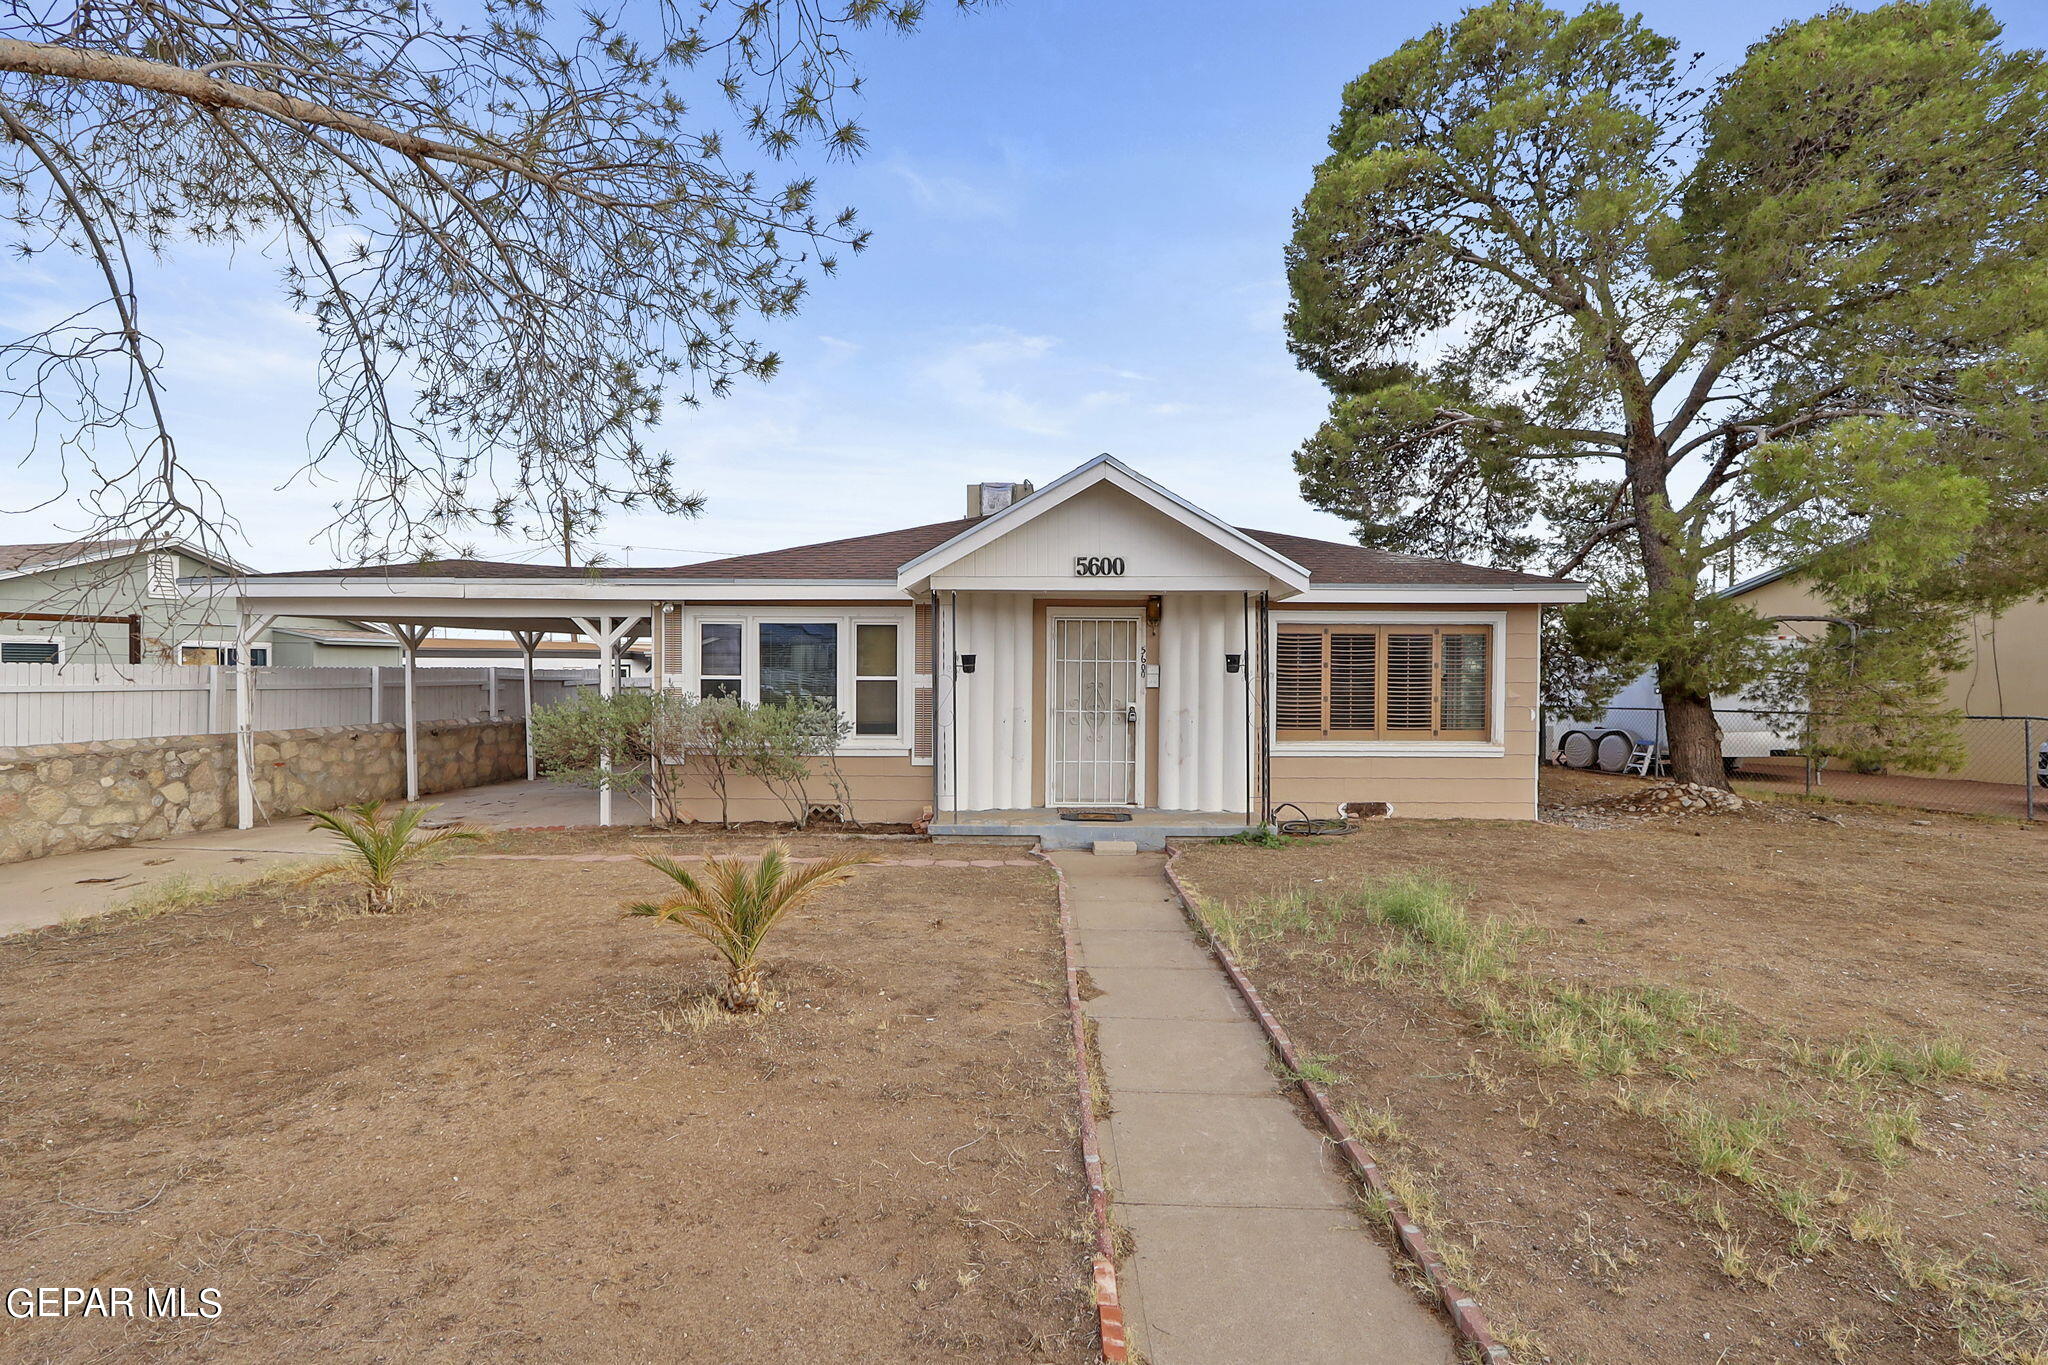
(1099, 642)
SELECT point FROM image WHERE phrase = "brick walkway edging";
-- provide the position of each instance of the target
(1109, 1312)
(1467, 1319)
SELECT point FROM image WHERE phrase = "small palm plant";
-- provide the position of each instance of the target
(732, 903)
(380, 846)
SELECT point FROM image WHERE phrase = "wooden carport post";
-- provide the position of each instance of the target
(247, 628)
(529, 641)
(409, 639)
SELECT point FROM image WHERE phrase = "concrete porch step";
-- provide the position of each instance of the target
(1148, 829)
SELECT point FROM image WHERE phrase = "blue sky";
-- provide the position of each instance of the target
(1079, 208)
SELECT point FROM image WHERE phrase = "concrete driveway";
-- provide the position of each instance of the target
(50, 890)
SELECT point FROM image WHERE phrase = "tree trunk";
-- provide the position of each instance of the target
(743, 990)
(1689, 724)
(1695, 737)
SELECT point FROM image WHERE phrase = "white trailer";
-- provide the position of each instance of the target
(1632, 726)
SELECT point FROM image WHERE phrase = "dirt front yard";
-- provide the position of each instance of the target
(1755, 1087)
(505, 1124)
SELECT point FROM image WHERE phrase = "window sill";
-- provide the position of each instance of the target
(1390, 748)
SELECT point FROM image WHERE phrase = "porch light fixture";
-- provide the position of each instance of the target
(1233, 663)
(1154, 605)
(966, 663)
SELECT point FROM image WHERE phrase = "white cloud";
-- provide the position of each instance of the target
(958, 197)
(986, 377)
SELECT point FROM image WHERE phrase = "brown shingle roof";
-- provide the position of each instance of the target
(876, 556)
(1337, 561)
(880, 556)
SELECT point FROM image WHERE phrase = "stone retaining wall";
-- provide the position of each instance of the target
(64, 798)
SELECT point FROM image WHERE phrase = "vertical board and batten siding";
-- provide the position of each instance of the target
(81, 704)
(992, 734)
(1202, 721)
(1449, 785)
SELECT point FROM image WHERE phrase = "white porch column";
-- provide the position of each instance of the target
(491, 691)
(247, 628)
(529, 641)
(607, 632)
(409, 639)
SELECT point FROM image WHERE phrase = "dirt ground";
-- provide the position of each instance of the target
(1593, 1235)
(504, 1125)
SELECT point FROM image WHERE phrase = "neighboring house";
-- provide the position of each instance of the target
(121, 601)
(1099, 642)
(2007, 672)
(2006, 676)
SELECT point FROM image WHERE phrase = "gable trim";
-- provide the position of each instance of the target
(917, 574)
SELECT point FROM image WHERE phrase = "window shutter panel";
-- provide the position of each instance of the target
(921, 722)
(1411, 681)
(1354, 680)
(1298, 681)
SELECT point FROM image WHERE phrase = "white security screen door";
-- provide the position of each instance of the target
(1096, 698)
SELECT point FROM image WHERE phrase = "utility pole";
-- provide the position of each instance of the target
(568, 536)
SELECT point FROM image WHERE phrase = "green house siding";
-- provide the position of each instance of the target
(120, 588)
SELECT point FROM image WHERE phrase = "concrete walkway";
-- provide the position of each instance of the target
(1249, 1242)
(72, 885)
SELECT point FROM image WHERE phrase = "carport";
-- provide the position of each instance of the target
(409, 602)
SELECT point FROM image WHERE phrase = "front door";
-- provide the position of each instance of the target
(1096, 695)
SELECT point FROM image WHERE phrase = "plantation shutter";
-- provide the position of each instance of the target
(1382, 682)
(1298, 705)
(1411, 682)
(1353, 683)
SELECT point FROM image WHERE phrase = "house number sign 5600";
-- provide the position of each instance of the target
(1098, 566)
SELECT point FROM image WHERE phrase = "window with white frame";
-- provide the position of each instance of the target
(720, 656)
(851, 664)
(1372, 682)
(220, 652)
(32, 649)
(877, 689)
(163, 574)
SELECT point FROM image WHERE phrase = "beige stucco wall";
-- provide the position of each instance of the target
(1442, 786)
(887, 790)
(66, 798)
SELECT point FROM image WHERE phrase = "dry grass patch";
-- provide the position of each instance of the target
(1751, 1051)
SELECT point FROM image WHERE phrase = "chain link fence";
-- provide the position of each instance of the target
(2003, 768)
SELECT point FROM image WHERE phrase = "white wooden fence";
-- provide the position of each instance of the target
(64, 704)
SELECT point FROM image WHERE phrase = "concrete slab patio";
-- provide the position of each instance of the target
(50, 890)
(1248, 1240)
